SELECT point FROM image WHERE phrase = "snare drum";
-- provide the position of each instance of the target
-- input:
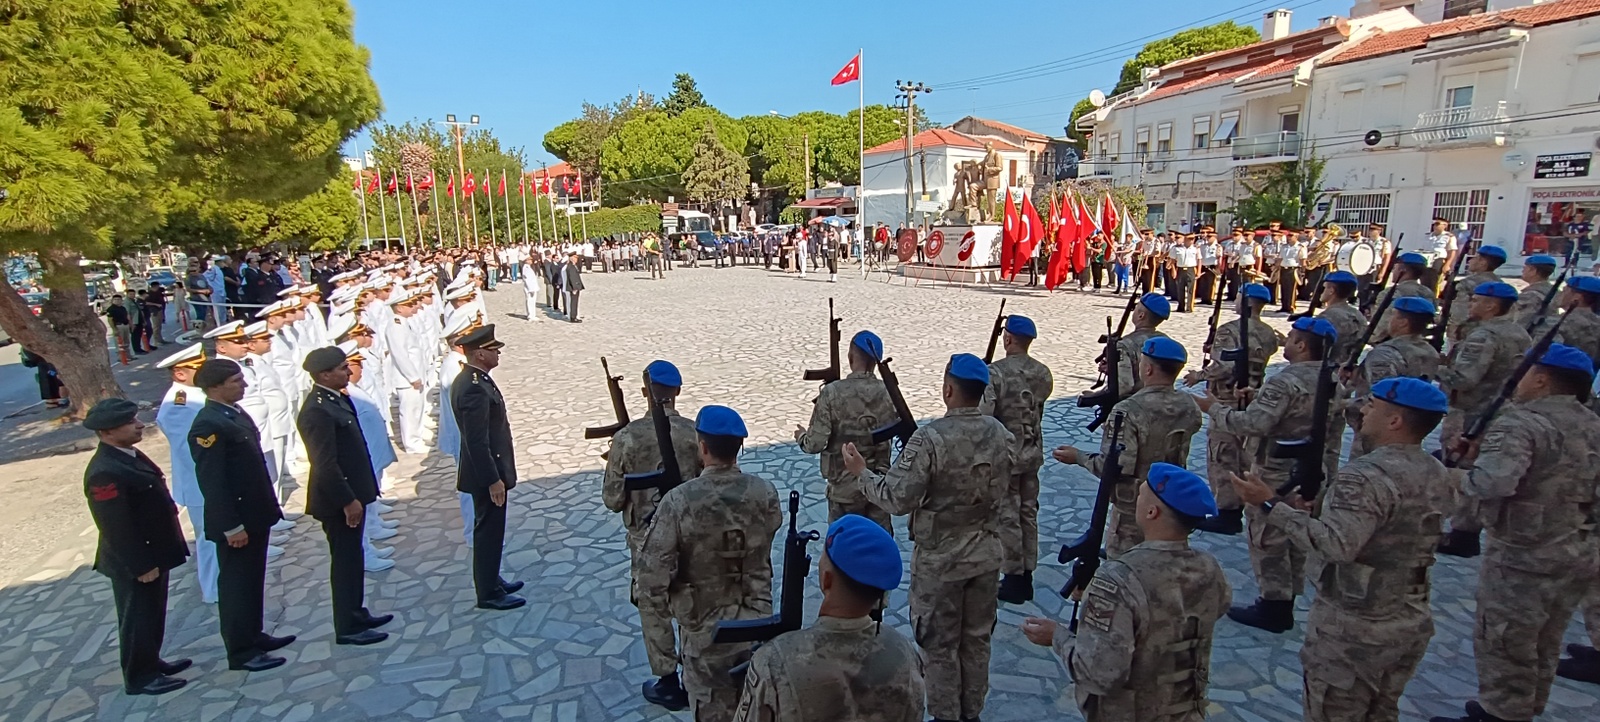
(1358, 258)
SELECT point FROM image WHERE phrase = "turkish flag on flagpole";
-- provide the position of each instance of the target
(450, 185)
(1066, 236)
(373, 187)
(502, 185)
(850, 73)
(394, 184)
(1035, 233)
(1008, 238)
(468, 186)
(1108, 216)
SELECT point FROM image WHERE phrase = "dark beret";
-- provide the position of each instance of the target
(323, 359)
(108, 414)
(215, 372)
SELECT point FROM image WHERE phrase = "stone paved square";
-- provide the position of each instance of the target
(741, 337)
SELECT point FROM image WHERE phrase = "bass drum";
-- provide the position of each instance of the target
(1359, 259)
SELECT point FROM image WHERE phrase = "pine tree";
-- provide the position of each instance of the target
(685, 96)
(716, 174)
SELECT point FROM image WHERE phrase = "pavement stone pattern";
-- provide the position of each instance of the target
(741, 337)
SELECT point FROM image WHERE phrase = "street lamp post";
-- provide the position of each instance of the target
(458, 132)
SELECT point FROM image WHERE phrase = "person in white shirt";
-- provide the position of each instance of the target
(1441, 250)
(530, 291)
(1210, 256)
(1291, 257)
(381, 451)
(1185, 261)
(178, 409)
(406, 370)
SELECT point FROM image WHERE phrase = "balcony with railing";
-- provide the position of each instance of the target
(1267, 147)
(1465, 126)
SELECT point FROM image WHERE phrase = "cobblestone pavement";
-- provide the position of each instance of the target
(742, 337)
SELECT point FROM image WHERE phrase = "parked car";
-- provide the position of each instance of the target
(162, 275)
(36, 300)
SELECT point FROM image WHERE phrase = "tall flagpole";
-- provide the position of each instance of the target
(433, 191)
(506, 205)
(489, 191)
(383, 210)
(366, 230)
(522, 188)
(583, 220)
(400, 214)
(861, 120)
(454, 190)
(472, 204)
(538, 212)
(416, 212)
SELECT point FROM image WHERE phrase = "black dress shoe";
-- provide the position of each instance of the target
(175, 666)
(511, 587)
(502, 603)
(362, 638)
(373, 621)
(259, 663)
(159, 685)
(269, 643)
(1464, 544)
(1272, 615)
(666, 692)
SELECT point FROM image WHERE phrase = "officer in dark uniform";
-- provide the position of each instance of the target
(341, 486)
(487, 466)
(140, 541)
(241, 508)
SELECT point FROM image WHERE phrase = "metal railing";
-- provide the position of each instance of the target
(1481, 123)
(1282, 144)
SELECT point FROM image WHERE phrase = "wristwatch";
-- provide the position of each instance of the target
(1266, 506)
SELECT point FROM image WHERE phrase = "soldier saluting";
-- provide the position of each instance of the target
(140, 541)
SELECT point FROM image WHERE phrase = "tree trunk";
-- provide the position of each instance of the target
(67, 332)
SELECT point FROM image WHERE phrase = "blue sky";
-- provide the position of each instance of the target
(519, 66)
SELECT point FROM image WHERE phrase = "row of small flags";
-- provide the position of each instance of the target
(373, 183)
(1070, 223)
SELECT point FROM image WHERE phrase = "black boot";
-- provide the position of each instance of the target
(1475, 713)
(1462, 544)
(1272, 615)
(667, 692)
(1015, 588)
(1227, 521)
(1582, 666)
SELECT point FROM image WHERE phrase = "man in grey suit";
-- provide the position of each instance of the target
(571, 286)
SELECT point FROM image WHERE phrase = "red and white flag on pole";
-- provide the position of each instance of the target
(850, 73)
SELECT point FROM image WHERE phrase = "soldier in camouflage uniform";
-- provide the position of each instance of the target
(1581, 329)
(1406, 353)
(1281, 410)
(1158, 423)
(952, 478)
(1481, 269)
(634, 451)
(1153, 308)
(846, 412)
(1536, 272)
(1535, 478)
(707, 557)
(1409, 272)
(1338, 289)
(1370, 621)
(1473, 374)
(1141, 651)
(847, 666)
(1225, 451)
(1018, 387)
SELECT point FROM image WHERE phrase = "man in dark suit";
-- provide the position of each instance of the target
(241, 508)
(140, 541)
(571, 286)
(552, 273)
(341, 486)
(487, 465)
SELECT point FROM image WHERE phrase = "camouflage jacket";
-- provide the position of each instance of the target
(1349, 324)
(1160, 423)
(839, 669)
(1128, 350)
(846, 412)
(1018, 387)
(1481, 363)
(1264, 343)
(1409, 355)
(1408, 287)
(1458, 325)
(1281, 410)
(1580, 330)
(1528, 302)
(634, 451)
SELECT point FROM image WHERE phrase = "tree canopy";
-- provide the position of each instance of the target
(685, 96)
(1184, 44)
(715, 174)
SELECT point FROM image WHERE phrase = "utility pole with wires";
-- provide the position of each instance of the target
(908, 93)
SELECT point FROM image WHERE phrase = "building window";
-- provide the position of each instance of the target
(1470, 207)
(1202, 132)
(1289, 122)
(1202, 214)
(1227, 128)
(1356, 211)
(1115, 142)
(1349, 111)
(1155, 216)
(1141, 144)
(1164, 140)
(1461, 8)
(1585, 86)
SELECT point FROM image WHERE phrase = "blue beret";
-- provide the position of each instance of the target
(1341, 277)
(1157, 303)
(1257, 291)
(869, 343)
(1411, 393)
(1183, 490)
(1541, 260)
(969, 367)
(1317, 326)
(1415, 304)
(865, 552)
(1164, 348)
(1562, 356)
(663, 373)
(719, 421)
(1585, 284)
(1492, 252)
(1021, 326)
(1495, 289)
(1414, 257)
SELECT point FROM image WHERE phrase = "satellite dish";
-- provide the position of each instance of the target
(1097, 98)
(1513, 161)
(1373, 137)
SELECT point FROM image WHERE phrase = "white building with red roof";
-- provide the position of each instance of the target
(931, 173)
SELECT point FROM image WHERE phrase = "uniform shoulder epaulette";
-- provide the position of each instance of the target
(181, 398)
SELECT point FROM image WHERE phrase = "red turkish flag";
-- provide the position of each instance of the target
(502, 185)
(487, 179)
(1066, 236)
(851, 72)
(1108, 216)
(373, 187)
(1030, 241)
(450, 187)
(522, 187)
(408, 185)
(470, 186)
(427, 183)
(1008, 238)
(394, 184)
(577, 187)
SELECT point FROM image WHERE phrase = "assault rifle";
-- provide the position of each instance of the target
(1446, 301)
(1240, 357)
(831, 373)
(1084, 553)
(1372, 325)
(903, 427)
(994, 333)
(669, 475)
(1544, 305)
(1308, 473)
(1108, 397)
(792, 593)
(1211, 331)
(618, 404)
(1454, 456)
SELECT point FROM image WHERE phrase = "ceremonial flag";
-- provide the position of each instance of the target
(850, 73)
(522, 188)
(469, 186)
(484, 186)
(1056, 272)
(1033, 231)
(1108, 216)
(373, 188)
(1008, 237)
(450, 186)
(394, 183)
(502, 184)
(577, 188)
(426, 183)
(408, 181)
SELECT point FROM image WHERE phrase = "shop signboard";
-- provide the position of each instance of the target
(1561, 165)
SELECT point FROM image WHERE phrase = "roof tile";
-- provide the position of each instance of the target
(942, 137)
(1409, 39)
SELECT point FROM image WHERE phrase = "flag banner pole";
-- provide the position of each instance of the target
(453, 190)
(505, 205)
(366, 230)
(861, 147)
(522, 189)
(383, 210)
(488, 190)
(583, 217)
(399, 213)
(433, 192)
(538, 212)
(472, 204)
(416, 212)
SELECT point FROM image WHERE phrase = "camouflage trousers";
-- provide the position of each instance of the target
(1279, 565)
(864, 508)
(1465, 518)
(1123, 532)
(660, 646)
(1356, 668)
(707, 667)
(1521, 617)
(1019, 523)
(1224, 454)
(953, 623)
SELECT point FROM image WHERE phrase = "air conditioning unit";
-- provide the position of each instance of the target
(1155, 166)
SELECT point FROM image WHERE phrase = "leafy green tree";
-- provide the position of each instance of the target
(646, 158)
(1185, 44)
(580, 141)
(685, 96)
(716, 174)
(111, 113)
(388, 141)
(1082, 108)
(1285, 192)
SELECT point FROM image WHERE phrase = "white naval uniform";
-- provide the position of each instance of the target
(530, 289)
(405, 362)
(280, 420)
(448, 440)
(178, 409)
(379, 449)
